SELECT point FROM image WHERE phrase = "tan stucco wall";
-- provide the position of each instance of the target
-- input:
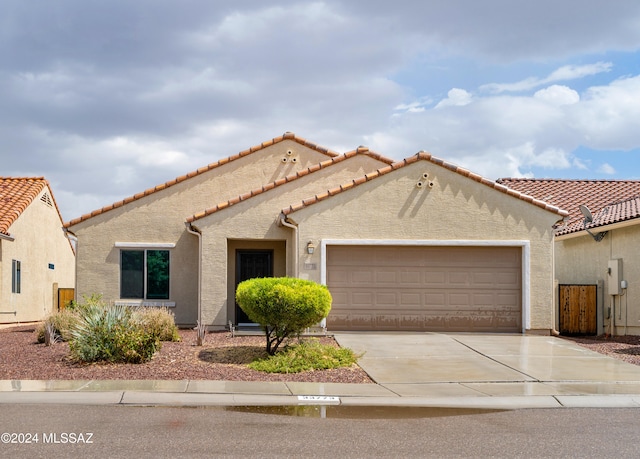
(389, 207)
(582, 260)
(160, 218)
(39, 241)
(251, 222)
(456, 208)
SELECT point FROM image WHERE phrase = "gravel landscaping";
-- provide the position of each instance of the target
(222, 357)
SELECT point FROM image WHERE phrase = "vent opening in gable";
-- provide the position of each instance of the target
(46, 199)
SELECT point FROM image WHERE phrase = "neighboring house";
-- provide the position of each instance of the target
(418, 244)
(36, 258)
(601, 253)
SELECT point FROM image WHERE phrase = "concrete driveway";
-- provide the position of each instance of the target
(466, 364)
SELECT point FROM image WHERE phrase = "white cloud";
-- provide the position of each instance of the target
(606, 169)
(456, 97)
(558, 95)
(567, 72)
(609, 116)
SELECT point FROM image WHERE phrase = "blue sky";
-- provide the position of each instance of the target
(108, 99)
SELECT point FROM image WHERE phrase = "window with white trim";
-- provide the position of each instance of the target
(16, 276)
(144, 274)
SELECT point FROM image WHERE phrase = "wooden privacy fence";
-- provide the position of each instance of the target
(578, 309)
(65, 296)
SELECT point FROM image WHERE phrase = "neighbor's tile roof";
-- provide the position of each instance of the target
(182, 178)
(625, 210)
(423, 156)
(15, 196)
(301, 173)
(570, 194)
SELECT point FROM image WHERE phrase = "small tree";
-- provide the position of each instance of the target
(283, 306)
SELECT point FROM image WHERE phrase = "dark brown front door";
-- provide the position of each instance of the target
(251, 264)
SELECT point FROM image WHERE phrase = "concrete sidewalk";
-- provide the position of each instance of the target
(410, 369)
(238, 393)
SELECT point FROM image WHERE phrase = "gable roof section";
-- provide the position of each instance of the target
(301, 173)
(202, 170)
(423, 156)
(597, 195)
(16, 194)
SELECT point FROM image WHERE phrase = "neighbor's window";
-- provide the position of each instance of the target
(144, 274)
(15, 276)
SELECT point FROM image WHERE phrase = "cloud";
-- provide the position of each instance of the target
(609, 115)
(501, 135)
(108, 100)
(606, 169)
(565, 73)
(558, 95)
(456, 98)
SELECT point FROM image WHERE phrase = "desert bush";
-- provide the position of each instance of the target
(62, 322)
(305, 356)
(88, 301)
(283, 306)
(159, 322)
(111, 334)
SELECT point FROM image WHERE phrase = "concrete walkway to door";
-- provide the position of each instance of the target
(458, 364)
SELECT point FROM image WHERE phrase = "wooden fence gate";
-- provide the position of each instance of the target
(65, 296)
(578, 314)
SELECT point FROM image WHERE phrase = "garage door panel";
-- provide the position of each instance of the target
(425, 288)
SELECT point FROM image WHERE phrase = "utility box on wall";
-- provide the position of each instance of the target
(615, 276)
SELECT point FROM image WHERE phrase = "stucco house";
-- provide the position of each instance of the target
(597, 253)
(36, 258)
(418, 244)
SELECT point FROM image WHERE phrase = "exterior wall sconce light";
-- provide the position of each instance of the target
(310, 248)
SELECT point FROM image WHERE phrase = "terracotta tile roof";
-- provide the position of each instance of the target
(422, 156)
(625, 210)
(335, 160)
(182, 178)
(570, 194)
(16, 194)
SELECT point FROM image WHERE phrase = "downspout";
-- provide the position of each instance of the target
(196, 232)
(296, 243)
(556, 302)
(73, 240)
(5, 237)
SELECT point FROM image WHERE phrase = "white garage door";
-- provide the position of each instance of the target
(425, 288)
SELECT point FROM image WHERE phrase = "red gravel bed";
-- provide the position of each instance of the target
(625, 348)
(21, 357)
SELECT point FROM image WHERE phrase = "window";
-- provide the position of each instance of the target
(144, 274)
(15, 276)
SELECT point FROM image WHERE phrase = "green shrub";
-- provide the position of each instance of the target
(111, 334)
(283, 306)
(306, 356)
(159, 322)
(62, 323)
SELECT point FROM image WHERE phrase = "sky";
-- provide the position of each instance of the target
(107, 99)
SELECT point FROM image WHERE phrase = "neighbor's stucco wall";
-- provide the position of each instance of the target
(456, 208)
(250, 223)
(582, 260)
(39, 241)
(160, 218)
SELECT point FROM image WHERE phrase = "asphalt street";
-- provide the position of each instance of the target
(158, 432)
